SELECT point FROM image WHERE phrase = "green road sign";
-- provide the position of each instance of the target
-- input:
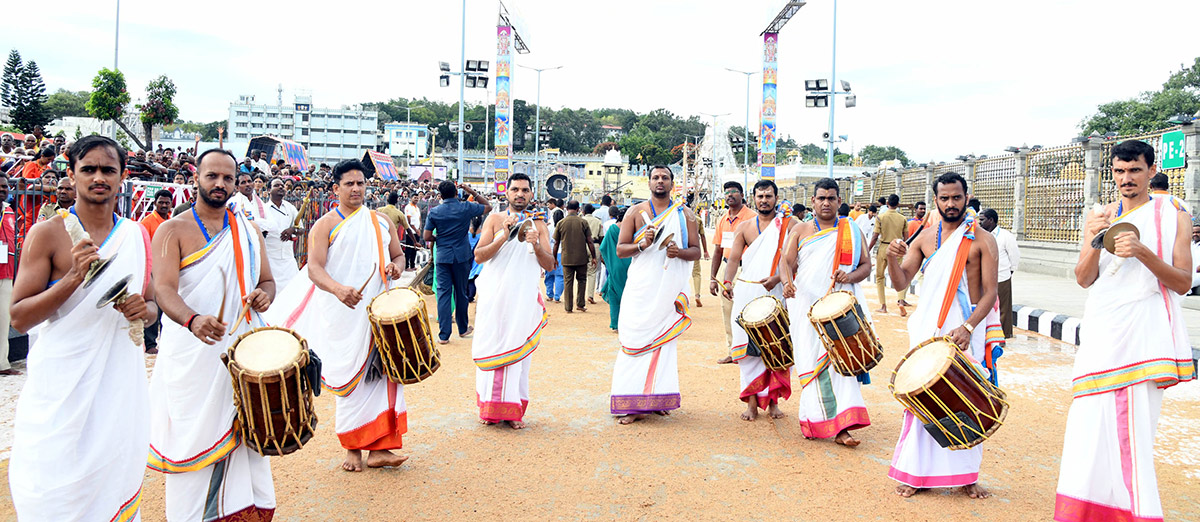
(1172, 153)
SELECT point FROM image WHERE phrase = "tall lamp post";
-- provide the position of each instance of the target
(746, 128)
(474, 74)
(824, 93)
(537, 124)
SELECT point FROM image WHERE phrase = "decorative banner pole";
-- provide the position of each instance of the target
(504, 55)
(766, 153)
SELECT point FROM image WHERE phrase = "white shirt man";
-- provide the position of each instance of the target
(866, 222)
(1010, 255)
(1195, 257)
(281, 253)
(262, 165)
(413, 213)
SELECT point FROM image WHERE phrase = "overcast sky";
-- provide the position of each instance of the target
(938, 78)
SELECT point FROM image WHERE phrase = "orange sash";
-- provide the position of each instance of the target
(237, 257)
(960, 263)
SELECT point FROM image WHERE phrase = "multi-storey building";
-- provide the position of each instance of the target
(329, 135)
(406, 139)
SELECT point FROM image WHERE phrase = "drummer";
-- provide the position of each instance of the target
(825, 254)
(757, 244)
(511, 314)
(199, 256)
(353, 252)
(965, 266)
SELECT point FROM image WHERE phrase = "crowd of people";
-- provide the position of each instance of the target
(220, 266)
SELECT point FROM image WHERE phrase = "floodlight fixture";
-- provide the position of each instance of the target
(471, 65)
(817, 101)
(481, 81)
(851, 101)
(470, 81)
(789, 10)
(444, 66)
(444, 80)
(845, 85)
(1181, 119)
(482, 66)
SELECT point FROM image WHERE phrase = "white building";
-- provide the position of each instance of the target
(406, 138)
(329, 135)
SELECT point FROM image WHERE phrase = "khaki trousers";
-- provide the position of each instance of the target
(881, 282)
(592, 272)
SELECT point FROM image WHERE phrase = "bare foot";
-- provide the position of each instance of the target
(353, 461)
(630, 419)
(903, 303)
(976, 491)
(516, 425)
(467, 334)
(775, 412)
(903, 312)
(591, 301)
(880, 311)
(486, 422)
(662, 413)
(844, 438)
(384, 458)
(751, 412)
(726, 360)
(11, 371)
(907, 491)
(698, 303)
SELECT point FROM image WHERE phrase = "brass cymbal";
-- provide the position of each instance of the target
(1110, 235)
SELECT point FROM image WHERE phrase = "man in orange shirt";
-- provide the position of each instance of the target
(163, 201)
(32, 202)
(722, 239)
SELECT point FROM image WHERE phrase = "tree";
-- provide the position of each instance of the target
(109, 99)
(29, 109)
(873, 155)
(605, 147)
(159, 108)
(12, 74)
(811, 153)
(1150, 110)
(64, 103)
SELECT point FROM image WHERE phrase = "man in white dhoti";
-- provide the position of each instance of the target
(82, 423)
(352, 253)
(510, 314)
(1133, 344)
(825, 254)
(279, 236)
(210, 273)
(958, 300)
(660, 236)
(757, 247)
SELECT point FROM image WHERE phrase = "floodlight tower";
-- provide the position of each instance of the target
(767, 131)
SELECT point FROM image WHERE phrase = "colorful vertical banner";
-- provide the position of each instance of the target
(504, 56)
(766, 140)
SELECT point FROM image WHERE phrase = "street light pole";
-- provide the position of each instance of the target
(832, 93)
(462, 86)
(746, 129)
(116, 45)
(537, 125)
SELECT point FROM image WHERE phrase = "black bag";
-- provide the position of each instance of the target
(312, 371)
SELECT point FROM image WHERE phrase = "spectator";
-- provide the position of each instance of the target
(844, 211)
(1195, 258)
(260, 163)
(866, 222)
(8, 252)
(916, 222)
(161, 212)
(1006, 263)
(553, 212)
(602, 211)
(404, 229)
(574, 237)
(450, 221)
(617, 268)
(596, 232)
(65, 198)
(7, 144)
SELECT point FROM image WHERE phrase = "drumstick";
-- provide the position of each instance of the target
(224, 296)
(241, 314)
(369, 277)
(832, 283)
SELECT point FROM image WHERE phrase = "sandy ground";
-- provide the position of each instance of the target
(701, 463)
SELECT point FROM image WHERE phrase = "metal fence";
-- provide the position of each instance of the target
(994, 182)
(1054, 194)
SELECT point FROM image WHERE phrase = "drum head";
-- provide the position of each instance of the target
(397, 303)
(267, 350)
(831, 306)
(922, 365)
(759, 309)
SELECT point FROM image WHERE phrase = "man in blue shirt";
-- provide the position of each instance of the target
(451, 220)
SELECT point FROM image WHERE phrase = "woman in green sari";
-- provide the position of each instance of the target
(617, 268)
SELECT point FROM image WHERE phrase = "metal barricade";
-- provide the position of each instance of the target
(994, 182)
(1054, 194)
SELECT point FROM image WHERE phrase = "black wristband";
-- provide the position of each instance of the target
(188, 324)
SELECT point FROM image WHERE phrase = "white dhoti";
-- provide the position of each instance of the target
(759, 261)
(210, 474)
(370, 412)
(82, 424)
(829, 401)
(654, 313)
(508, 328)
(1133, 344)
(919, 461)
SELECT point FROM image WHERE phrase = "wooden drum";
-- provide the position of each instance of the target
(271, 392)
(848, 337)
(938, 384)
(400, 332)
(767, 326)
